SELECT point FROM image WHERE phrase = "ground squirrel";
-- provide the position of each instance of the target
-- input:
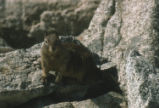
(67, 59)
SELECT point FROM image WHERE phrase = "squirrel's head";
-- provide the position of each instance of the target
(51, 42)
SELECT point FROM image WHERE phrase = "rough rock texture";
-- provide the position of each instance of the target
(124, 33)
(142, 82)
(104, 34)
(119, 26)
(4, 47)
(29, 20)
(20, 77)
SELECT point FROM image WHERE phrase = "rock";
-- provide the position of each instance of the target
(4, 47)
(2, 8)
(110, 100)
(2, 42)
(123, 34)
(120, 26)
(142, 82)
(107, 66)
(20, 78)
(103, 35)
(30, 20)
(94, 36)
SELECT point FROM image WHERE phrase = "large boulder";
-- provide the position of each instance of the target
(20, 77)
(119, 26)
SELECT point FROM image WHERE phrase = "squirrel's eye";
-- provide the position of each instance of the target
(46, 42)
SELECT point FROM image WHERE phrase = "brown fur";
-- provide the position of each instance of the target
(67, 60)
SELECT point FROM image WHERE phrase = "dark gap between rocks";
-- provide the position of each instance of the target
(16, 38)
(93, 91)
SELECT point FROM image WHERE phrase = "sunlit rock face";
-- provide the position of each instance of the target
(122, 33)
(117, 28)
